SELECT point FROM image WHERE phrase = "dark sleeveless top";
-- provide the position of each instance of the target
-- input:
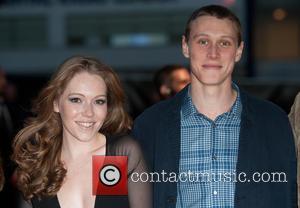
(116, 146)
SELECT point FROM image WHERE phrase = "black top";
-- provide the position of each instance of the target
(139, 193)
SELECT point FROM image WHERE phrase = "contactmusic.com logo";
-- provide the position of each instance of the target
(109, 175)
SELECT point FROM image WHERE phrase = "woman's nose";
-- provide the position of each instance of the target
(88, 110)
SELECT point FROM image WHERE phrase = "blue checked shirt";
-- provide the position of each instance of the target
(208, 157)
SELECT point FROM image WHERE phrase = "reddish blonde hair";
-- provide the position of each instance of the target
(37, 147)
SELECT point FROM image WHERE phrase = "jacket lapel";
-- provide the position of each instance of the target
(168, 146)
(170, 134)
(248, 147)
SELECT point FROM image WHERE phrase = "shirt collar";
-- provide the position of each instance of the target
(236, 109)
(189, 109)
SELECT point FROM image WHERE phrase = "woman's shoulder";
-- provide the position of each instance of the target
(123, 144)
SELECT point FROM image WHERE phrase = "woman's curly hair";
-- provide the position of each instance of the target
(37, 147)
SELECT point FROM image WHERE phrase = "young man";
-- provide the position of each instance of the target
(226, 148)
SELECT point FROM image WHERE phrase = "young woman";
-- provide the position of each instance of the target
(80, 113)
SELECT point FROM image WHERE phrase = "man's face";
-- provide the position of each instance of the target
(212, 49)
(180, 78)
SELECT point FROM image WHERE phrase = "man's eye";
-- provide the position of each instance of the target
(75, 100)
(100, 102)
(225, 43)
(203, 42)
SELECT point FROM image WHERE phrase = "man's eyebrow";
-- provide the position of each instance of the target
(199, 34)
(207, 35)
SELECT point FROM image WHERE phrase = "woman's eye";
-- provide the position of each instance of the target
(75, 100)
(100, 101)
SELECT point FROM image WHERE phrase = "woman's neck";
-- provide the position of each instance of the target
(73, 149)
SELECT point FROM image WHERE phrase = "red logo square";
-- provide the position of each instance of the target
(109, 175)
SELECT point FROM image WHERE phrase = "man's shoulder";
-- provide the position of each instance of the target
(157, 110)
(261, 107)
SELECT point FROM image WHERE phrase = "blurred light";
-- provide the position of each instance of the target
(228, 2)
(138, 40)
(279, 14)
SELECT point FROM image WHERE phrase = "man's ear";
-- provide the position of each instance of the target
(239, 52)
(55, 106)
(164, 90)
(185, 47)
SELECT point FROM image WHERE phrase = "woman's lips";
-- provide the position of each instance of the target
(85, 124)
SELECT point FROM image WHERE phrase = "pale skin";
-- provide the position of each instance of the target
(83, 108)
(213, 51)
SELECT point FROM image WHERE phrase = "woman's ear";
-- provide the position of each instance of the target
(55, 106)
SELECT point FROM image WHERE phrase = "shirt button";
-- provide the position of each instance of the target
(214, 157)
(215, 192)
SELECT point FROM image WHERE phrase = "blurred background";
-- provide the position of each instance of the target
(137, 37)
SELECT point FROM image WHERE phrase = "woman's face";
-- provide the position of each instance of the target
(82, 107)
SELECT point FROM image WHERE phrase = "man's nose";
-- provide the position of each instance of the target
(213, 51)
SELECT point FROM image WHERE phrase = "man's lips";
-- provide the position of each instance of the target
(212, 66)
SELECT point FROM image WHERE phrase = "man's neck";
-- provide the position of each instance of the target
(213, 100)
